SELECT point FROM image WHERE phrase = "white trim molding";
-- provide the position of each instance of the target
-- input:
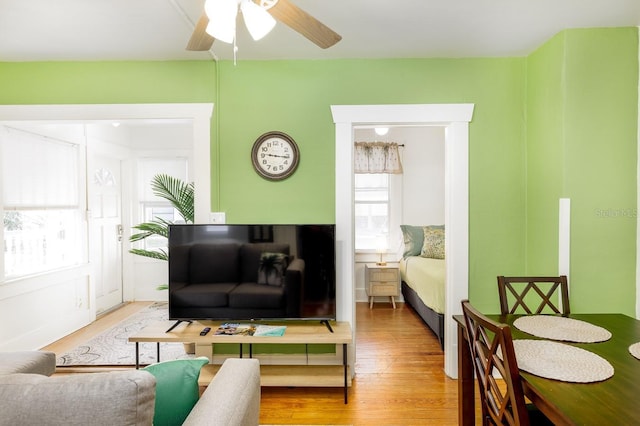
(455, 119)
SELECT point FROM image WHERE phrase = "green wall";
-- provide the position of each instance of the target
(106, 82)
(545, 157)
(295, 97)
(582, 110)
(558, 123)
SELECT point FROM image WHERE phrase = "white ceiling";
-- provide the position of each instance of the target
(77, 30)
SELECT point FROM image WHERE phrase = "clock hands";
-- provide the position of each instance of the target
(275, 155)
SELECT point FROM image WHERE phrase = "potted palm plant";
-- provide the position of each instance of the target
(181, 195)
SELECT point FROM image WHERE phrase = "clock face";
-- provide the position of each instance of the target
(275, 155)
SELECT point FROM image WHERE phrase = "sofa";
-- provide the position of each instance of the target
(234, 281)
(127, 397)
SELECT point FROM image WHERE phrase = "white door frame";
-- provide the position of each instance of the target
(199, 114)
(455, 118)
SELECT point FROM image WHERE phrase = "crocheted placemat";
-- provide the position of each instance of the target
(635, 350)
(562, 328)
(559, 361)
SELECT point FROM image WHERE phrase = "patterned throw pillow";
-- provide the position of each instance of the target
(272, 268)
(413, 240)
(433, 246)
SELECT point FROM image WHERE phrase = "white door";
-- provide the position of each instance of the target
(105, 235)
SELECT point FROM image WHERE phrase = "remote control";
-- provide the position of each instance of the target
(205, 331)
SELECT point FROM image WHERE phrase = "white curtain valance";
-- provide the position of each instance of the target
(377, 157)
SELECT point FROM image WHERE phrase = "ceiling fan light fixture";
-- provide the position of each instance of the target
(222, 19)
(259, 22)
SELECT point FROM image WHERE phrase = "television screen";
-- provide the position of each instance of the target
(251, 272)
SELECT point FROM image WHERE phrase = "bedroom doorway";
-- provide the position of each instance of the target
(455, 118)
(392, 196)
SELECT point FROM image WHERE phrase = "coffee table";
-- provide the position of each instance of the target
(297, 332)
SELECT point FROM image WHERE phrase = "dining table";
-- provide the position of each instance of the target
(613, 401)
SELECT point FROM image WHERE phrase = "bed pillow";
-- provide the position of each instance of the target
(433, 244)
(272, 268)
(176, 389)
(413, 240)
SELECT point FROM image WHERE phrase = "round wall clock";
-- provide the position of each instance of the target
(275, 155)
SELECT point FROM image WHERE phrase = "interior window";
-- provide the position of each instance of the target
(41, 203)
(372, 211)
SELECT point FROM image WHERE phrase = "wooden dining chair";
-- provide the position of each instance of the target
(527, 292)
(491, 347)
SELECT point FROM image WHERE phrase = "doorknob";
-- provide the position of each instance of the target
(119, 231)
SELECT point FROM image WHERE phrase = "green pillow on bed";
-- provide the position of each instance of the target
(413, 240)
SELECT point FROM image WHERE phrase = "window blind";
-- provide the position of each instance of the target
(38, 172)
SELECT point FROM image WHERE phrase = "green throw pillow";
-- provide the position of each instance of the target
(176, 389)
(413, 239)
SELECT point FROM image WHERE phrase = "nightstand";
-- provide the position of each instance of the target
(382, 280)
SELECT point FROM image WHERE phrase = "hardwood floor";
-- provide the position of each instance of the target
(104, 322)
(399, 379)
(399, 375)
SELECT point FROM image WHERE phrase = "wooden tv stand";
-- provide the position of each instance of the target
(300, 332)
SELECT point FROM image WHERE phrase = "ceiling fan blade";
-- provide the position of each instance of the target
(305, 24)
(200, 39)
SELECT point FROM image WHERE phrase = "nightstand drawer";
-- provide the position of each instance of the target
(384, 275)
(383, 289)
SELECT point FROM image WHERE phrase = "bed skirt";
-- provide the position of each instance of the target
(434, 320)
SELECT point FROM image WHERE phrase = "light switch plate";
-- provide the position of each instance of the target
(217, 217)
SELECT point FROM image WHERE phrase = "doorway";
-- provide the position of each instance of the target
(104, 189)
(414, 195)
(198, 114)
(455, 118)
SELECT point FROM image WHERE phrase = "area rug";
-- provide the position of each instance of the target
(112, 347)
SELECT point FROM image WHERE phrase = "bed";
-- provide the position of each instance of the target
(422, 270)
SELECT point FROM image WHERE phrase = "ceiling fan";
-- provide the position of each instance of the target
(217, 21)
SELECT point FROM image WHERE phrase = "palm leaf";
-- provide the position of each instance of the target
(158, 226)
(161, 254)
(180, 194)
(181, 197)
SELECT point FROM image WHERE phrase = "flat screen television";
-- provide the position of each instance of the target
(252, 272)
